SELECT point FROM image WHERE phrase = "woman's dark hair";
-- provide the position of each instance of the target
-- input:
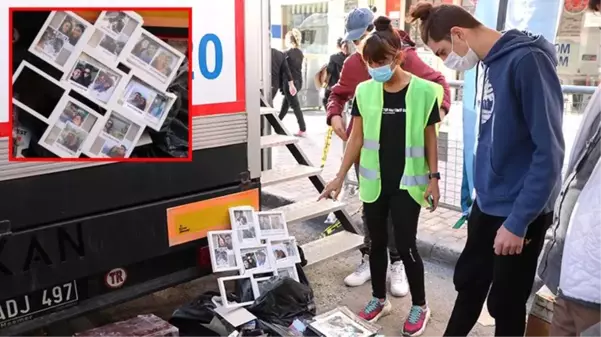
(594, 5)
(436, 21)
(382, 44)
(339, 42)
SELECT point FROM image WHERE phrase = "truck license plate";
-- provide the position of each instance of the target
(23, 308)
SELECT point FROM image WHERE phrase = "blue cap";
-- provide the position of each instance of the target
(357, 22)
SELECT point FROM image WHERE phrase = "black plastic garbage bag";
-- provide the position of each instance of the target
(286, 301)
(190, 317)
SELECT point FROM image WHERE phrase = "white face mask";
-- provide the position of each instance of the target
(461, 63)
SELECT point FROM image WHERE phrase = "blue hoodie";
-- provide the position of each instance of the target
(520, 143)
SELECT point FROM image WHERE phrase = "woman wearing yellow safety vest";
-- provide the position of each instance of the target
(395, 135)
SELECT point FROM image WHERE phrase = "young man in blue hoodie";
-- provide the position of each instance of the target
(519, 156)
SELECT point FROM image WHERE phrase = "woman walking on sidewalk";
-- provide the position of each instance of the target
(294, 57)
(394, 115)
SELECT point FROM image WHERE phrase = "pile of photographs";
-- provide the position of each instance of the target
(258, 244)
(88, 56)
(342, 322)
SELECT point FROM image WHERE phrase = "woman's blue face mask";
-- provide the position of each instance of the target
(381, 74)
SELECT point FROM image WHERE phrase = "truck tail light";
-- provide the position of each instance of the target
(204, 257)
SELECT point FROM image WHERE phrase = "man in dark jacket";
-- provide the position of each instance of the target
(358, 25)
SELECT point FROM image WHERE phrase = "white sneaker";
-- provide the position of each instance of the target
(399, 286)
(360, 275)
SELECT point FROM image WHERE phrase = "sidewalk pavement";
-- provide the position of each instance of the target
(437, 240)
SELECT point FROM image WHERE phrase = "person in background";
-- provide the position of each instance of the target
(518, 161)
(332, 69)
(294, 58)
(280, 73)
(354, 71)
(570, 265)
(395, 116)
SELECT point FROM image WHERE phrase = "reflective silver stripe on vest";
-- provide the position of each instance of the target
(369, 144)
(415, 180)
(368, 173)
(415, 152)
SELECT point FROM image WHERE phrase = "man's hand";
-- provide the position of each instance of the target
(507, 243)
(338, 127)
(332, 189)
(292, 88)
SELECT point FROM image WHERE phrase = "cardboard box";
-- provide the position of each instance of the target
(140, 326)
(541, 314)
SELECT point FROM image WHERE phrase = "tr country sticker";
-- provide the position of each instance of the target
(115, 278)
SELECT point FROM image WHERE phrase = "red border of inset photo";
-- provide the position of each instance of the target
(5, 128)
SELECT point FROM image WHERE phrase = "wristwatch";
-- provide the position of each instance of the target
(434, 175)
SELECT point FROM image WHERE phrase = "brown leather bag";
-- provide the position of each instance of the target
(322, 77)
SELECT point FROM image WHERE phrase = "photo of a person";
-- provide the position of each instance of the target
(145, 49)
(224, 241)
(83, 74)
(114, 151)
(66, 26)
(115, 21)
(248, 233)
(116, 126)
(264, 223)
(73, 114)
(71, 137)
(276, 222)
(249, 260)
(279, 254)
(221, 258)
(76, 33)
(163, 62)
(111, 45)
(136, 99)
(157, 108)
(51, 43)
(103, 86)
(261, 258)
(240, 218)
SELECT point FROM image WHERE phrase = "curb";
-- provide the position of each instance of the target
(429, 246)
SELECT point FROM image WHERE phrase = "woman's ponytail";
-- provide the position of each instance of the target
(383, 24)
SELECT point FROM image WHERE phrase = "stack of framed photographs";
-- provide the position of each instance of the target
(89, 56)
(257, 244)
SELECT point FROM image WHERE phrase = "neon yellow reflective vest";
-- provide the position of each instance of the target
(421, 97)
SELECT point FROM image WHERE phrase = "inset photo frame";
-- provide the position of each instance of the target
(285, 251)
(272, 225)
(343, 322)
(61, 38)
(70, 126)
(224, 256)
(60, 89)
(288, 271)
(255, 260)
(155, 58)
(259, 284)
(112, 31)
(94, 79)
(223, 291)
(117, 138)
(244, 224)
(145, 102)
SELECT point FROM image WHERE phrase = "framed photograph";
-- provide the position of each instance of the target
(112, 31)
(155, 57)
(285, 251)
(93, 79)
(244, 224)
(272, 225)
(288, 271)
(223, 253)
(261, 284)
(62, 36)
(229, 283)
(341, 322)
(255, 260)
(117, 137)
(71, 124)
(147, 103)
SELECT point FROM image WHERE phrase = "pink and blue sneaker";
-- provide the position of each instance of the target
(417, 321)
(375, 309)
